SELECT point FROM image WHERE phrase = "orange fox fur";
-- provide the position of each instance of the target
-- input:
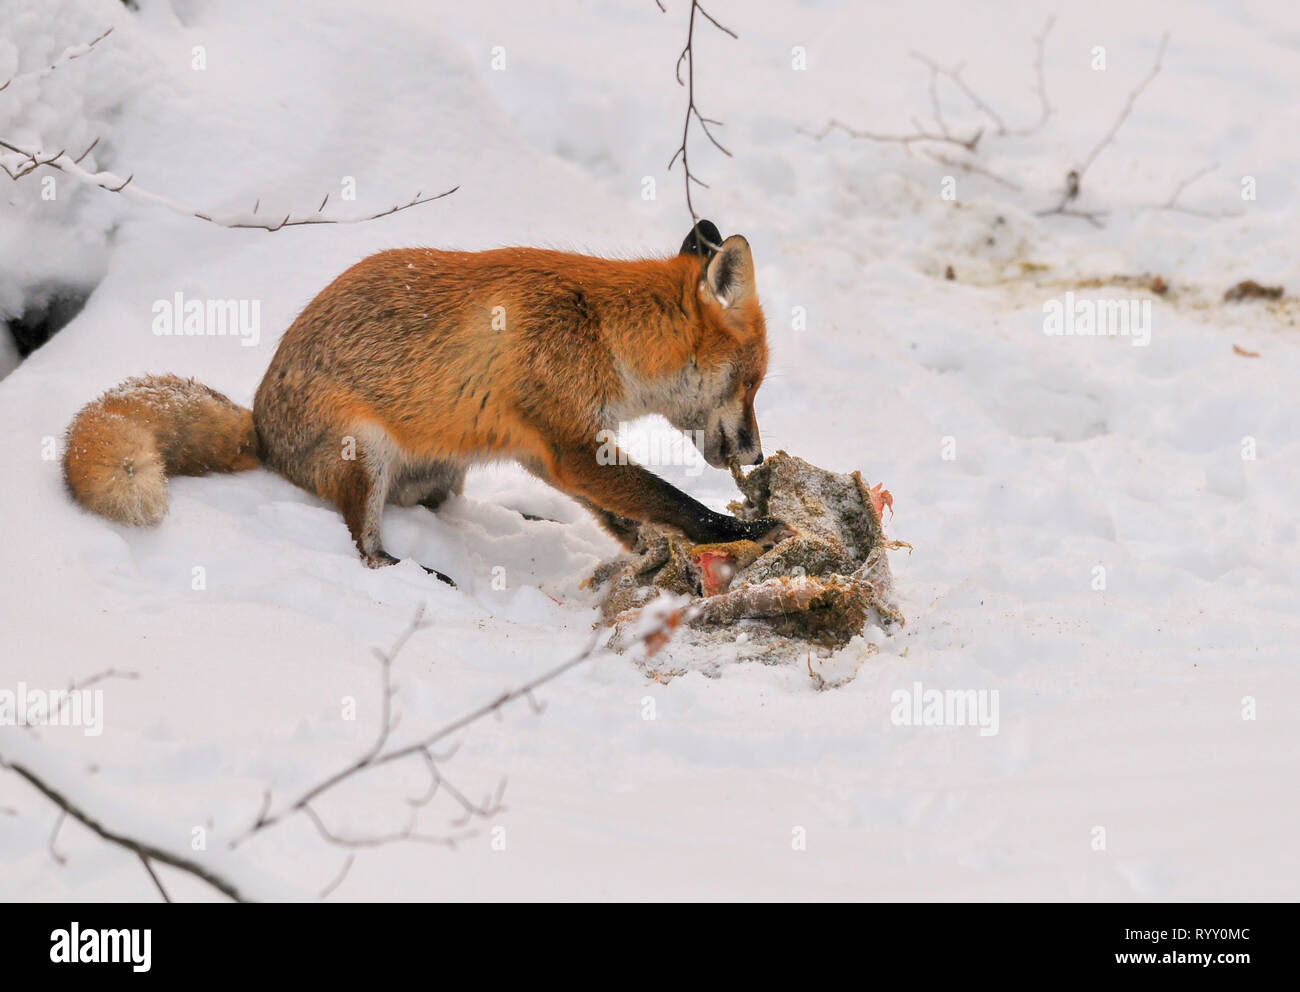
(415, 364)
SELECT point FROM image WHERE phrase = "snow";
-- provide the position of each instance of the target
(250, 620)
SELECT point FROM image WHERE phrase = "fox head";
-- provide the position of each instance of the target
(714, 402)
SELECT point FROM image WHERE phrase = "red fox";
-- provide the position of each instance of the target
(415, 364)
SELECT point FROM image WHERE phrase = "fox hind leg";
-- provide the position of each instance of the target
(362, 492)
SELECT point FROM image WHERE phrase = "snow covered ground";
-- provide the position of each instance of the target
(1093, 539)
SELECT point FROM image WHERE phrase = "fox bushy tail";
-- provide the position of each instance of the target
(122, 447)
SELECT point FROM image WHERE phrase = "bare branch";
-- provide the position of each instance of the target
(1174, 206)
(376, 756)
(109, 673)
(489, 808)
(973, 167)
(1127, 109)
(902, 139)
(154, 876)
(326, 892)
(407, 833)
(54, 835)
(954, 74)
(1093, 217)
(67, 55)
(140, 848)
(30, 159)
(936, 108)
(89, 148)
(944, 133)
(1040, 73)
(35, 157)
(386, 723)
(1201, 173)
(1074, 178)
(687, 56)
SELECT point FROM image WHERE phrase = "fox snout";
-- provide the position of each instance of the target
(740, 441)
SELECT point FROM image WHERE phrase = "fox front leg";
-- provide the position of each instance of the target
(627, 490)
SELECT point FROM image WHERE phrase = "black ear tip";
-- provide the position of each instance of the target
(704, 239)
(710, 232)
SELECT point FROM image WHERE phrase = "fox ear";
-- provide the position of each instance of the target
(730, 273)
(703, 240)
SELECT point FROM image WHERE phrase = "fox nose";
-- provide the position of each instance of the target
(759, 459)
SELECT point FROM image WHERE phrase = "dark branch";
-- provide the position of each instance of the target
(140, 848)
(153, 875)
(687, 57)
(901, 139)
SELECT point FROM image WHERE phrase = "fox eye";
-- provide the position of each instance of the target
(749, 385)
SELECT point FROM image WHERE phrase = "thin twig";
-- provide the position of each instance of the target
(67, 55)
(1093, 217)
(1170, 203)
(1174, 206)
(490, 807)
(1074, 178)
(408, 833)
(692, 111)
(154, 876)
(56, 715)
(944, 133)
(936, 108)
(54, 835)
(972, 167)
(1040, 75)
(954, 74)
(1127, 109)
(902, 139)
(326, 892)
